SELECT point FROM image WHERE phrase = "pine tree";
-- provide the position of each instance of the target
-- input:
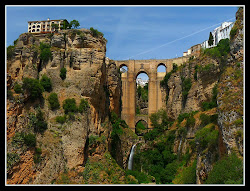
(211, 39)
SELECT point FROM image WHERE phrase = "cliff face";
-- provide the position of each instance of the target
(230, 92)
(89, 75)
(200, 89)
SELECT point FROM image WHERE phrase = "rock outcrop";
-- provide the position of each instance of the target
(89, 75)
(230, 92)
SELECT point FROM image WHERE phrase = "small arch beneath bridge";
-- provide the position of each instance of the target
(141, 127)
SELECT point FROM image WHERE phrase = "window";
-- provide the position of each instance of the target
(29, 27)
(37, 30)
(34, 26)
(38, 26)
(33, 30)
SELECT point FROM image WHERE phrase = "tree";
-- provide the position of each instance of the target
(33, 88)
(53, 101)
(63, 72)
(55, 26)
(75, 24)
(46, 83)
(211, 39)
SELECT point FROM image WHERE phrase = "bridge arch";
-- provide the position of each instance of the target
(155, 93)
(141, 126)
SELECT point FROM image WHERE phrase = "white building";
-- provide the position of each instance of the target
(44, 26)
(141, 82)
(221, 32)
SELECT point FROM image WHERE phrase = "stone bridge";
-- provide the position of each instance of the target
(155, 98)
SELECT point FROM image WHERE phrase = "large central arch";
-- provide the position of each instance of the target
(155, 101)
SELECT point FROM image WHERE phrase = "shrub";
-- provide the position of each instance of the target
(84, 105)
(233, 33)
(30, 140)
(37, 155)
(186, 85)
(9, 94)
(69, 105)
(18, 88)
(33, 87)
(95, 32)
(10, 52)
(53, 101)
(45, 54)
(205, 119)
(12, 159)
(228, 170)
(140, 176)
(61, 119)
(209, 105)
(188, 175)
(46, 83)
(39, 124)
(207, 137)
(63, 72)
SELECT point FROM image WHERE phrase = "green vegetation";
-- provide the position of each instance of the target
(46, 83)
(206, 119)
(186, 85)
(33, 87)
(139, 128)
(12, 159)
(117, 130)
(228, 170)
(74, 23)
(140, 176)
(207, 137)
(38, 122)
(164, 82)
(63, 72)
(237, 25)
(37, 155)
(159, 162)
(84, 105)
(211, 39)
(188, 175)
(29, 139)
(10, 52)
(45, 54)
(18, 88)
(95, 32)
(209, 105)
(53, 101)
(160, 122)
(69, 105)
(61, 119)
(143, 92)
(220, 51)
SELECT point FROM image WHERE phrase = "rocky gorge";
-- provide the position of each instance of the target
(86, 141)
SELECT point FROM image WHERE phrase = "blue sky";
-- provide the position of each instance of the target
(133, 32)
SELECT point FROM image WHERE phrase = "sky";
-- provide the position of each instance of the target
(133, 32)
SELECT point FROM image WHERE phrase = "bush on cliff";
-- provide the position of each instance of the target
(69, 105)
(33, 87)
(46, 83)
(228, 170)
(53, 101)
(84, 105)
(63, 72)
(18, 88)
(45, 54)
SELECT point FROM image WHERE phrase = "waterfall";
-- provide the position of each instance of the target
(179, 148)
(130, 160)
